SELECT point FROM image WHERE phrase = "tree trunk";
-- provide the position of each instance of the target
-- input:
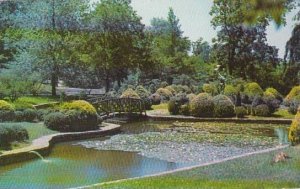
(53, 84)
(107, 84)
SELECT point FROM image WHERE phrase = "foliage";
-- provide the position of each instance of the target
(5, 106)
(164, 94)
(130, 93)
(79, 105)
(142, 92)
(185, 110)
(12, 133)
(271, 91)
(27, 115)
(294, 130)
(191, 96)
(240, 111)
(252, 90)
(171, 89)
(57, 121)
(202, 105)
(223, 107)
(174, 106)
(262, 110)
(292, 94)
(294, 105)
(231, 90)
(155, 98)
(242, 51)
(210, 89)
(272, 102)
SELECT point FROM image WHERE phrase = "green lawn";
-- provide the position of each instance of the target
(36, 100)
(249, 172)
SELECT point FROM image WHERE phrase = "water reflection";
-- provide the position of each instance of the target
(75, 166)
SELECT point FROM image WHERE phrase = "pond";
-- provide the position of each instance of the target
(76, 164)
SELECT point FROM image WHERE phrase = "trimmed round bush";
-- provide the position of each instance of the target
(272, 102)
(252, 90)
(171, 89)
(174, 106)
(155, 99)
(163, 84)
(294, 105)
(11, 133)
(57, 121)
(130, 93)
(223, 107)
(240, 111)
(81, 121)
(184, 110)
(202, 105)
(142, 92)
(293, 93)
(209, 88)
(80, 105)
(5, 106)
(165, 94)
(273, 92)
(28, 115)
(262, 110)
(191, 96)
(230, 90)
(294, 130)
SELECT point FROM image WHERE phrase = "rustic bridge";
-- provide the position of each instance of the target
(107, 105)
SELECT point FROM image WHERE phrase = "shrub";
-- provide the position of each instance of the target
(272, 102)
(262, 110)
(164, 94)
(171, 89)
(182, 89)
(240, 111)
(181, 98)
(142, 92)
(223, 107)
(163, 84)
(202, 105)
(185, 110)
(273, 92)
(81, 121)
(294, 130)
(80, 105)
(174, 106)
(57, 121)
(293, 93)
(210, 89)
(252, 90)
(155, 99)
(12, 133)
(230, 90)
(294, 105)
(191, 96)
(5, 106)
(130, 93)
(27, 115)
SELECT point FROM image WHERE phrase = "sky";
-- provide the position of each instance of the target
(195, 19)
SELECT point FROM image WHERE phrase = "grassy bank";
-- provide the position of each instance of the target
(35, 131)
(249, 172)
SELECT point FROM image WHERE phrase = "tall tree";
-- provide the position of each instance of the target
(44, 24)
(241, 50)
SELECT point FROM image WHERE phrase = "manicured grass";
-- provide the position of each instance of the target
(36, 100)
(163, 106)
(256, 171)
(284, 113)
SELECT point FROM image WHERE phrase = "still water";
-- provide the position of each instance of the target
(71, 166)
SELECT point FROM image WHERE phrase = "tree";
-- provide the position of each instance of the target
(44, 25)
(201, 48)
(169, 48)
(241, 50)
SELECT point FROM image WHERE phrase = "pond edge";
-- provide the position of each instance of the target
(43, 145)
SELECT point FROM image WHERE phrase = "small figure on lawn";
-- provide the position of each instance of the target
(280, 157)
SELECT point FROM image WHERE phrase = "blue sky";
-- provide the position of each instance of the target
(195, 19)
